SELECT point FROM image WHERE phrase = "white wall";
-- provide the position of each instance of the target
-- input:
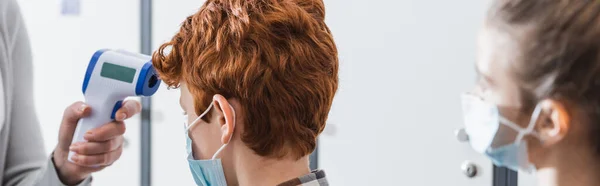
(403, 66)
(169, 159)
(67, 43)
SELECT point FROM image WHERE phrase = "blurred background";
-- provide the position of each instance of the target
(403, 65)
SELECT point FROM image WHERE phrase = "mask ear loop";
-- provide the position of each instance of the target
(529, 130)
(224, 145)
(524, 131)
(199, 117)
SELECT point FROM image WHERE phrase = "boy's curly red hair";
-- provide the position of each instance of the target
(277, 57)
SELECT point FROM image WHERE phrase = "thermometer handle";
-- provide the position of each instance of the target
(102, 113)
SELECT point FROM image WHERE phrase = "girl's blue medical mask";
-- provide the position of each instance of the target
(205, 172)
(503, 144)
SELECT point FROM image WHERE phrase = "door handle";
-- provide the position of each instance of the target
(469, 169)
(461, 135)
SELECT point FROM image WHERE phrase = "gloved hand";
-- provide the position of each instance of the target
(103, 148)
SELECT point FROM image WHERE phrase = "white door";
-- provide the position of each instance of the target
(67, 43)
(403, 65)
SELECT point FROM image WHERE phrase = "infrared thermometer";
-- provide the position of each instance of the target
(111, 76)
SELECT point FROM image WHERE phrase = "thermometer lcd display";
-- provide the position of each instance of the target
(117, 72)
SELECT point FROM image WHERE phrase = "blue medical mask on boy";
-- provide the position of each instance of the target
(483, 125)
(205, 172)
